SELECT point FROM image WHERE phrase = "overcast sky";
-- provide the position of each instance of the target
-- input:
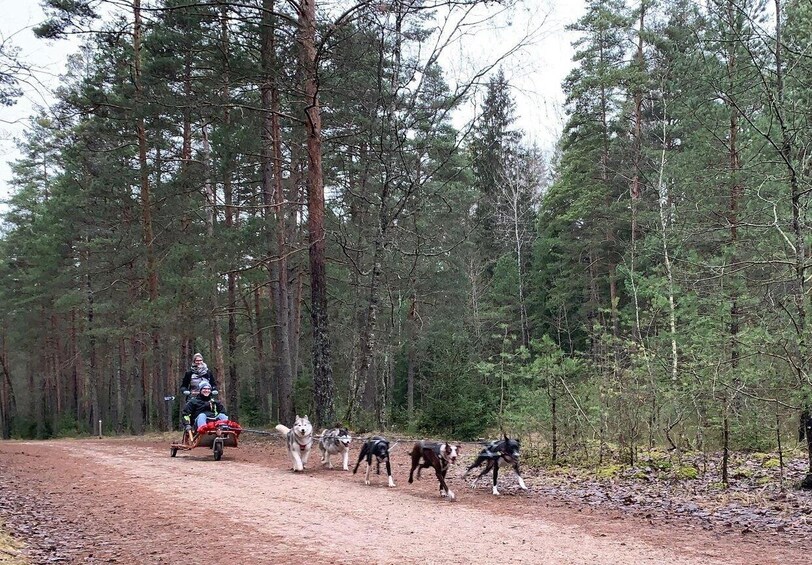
(535, 73)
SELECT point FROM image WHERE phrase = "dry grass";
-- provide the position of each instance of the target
(11, 550)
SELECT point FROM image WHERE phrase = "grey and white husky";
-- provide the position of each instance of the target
(299, 441)
(335, 441)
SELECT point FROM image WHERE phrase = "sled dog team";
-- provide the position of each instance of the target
(424, 454)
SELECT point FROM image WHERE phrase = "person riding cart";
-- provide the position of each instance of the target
(196, 375)
(213, 429)
(202, 408)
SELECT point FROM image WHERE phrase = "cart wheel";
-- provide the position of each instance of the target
(218, 450)
(173, 451)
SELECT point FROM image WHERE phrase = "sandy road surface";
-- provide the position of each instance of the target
(127, 501)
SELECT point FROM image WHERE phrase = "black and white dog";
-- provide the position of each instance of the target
(379, 448)
(299, 440)
(499, 450)
(335, 441)
(427, 454)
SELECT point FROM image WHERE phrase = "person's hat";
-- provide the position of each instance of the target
(197, 356)
(205, 385)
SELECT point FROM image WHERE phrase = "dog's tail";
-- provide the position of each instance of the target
(282, 429)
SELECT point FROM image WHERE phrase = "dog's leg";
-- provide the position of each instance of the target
(306, 456)
(479, 461)
(444, 490)
(389, 473)
(519, 475)
(369, 466)
(495, 476)
(346, 459)
(360, 458)
(297, 459)
(416, 456)
(486, 470)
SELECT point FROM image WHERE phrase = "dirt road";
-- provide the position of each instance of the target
(127, 501)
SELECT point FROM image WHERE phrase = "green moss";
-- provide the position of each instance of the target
(741, 473)
(663, 464)
(687, 473)
(609, 471)
(771, 463)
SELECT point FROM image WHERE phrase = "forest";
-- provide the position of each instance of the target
(283, 187)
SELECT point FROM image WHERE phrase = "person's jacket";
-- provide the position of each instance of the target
(198, 404)
(191, 380)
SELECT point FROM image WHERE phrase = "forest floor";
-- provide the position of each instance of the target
(125, 500)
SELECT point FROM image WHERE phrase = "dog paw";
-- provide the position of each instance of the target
(391, 482)
(495, 491)
(366, 482)
(451, 495)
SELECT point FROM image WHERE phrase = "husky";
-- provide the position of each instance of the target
(501, 450)
(379, 448)
(299, 440)
(335, 441)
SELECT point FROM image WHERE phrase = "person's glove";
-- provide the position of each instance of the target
(187, 427)
(186, 393)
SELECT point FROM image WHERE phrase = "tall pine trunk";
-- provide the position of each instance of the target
(211, 214)
(734, 176)
(94, 413)
(788, 152)
(263, 376)
(274, 205)
(232, 380)
(146, 201)
(8, 400)
(323, 387)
